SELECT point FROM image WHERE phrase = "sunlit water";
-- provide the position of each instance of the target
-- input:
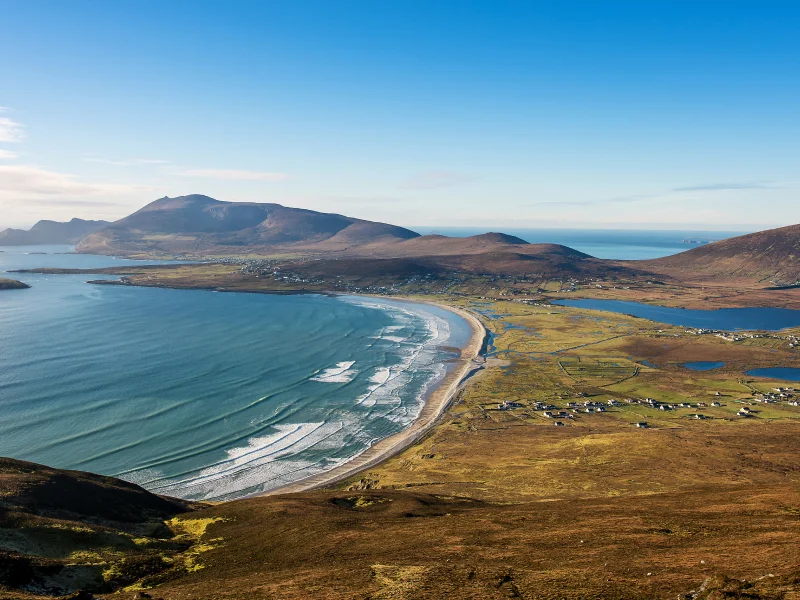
(201, 394)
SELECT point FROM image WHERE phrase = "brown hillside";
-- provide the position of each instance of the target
(440, 245)
(66, 530)
(769, 256)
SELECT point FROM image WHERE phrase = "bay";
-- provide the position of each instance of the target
(200, 394)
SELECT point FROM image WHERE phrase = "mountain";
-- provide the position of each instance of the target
(771, 255)
(199, 224)
(51, 232)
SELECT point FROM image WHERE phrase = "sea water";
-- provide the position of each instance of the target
(200, 394)
(617, 244)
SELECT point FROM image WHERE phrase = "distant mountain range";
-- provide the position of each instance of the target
(201, 225)
(198, 225)
(51, 232)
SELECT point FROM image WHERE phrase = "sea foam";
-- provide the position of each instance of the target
(341, 373)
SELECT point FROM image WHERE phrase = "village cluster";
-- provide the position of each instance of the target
(550, 411)
(739, 336)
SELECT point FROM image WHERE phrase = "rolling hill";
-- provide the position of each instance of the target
(51, 232)
(769, 256)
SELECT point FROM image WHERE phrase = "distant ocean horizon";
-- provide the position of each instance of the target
(617, 244)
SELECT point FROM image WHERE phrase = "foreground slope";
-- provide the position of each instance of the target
(770, 256)
(199, 224)
(67, 530)
(51, 232)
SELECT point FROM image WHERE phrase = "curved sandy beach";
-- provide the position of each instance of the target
(435, 405)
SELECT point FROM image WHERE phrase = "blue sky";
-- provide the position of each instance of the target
(490, 114)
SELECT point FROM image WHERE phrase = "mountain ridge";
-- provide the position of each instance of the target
(772, 254)
(51, 232)
(199, 223)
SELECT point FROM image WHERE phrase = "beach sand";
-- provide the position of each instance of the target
(435, 405)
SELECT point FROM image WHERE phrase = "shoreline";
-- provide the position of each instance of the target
(436, 402)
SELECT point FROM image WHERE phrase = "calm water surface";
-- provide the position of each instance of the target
(725, 319)
(781, 373)
(619, 244)
(201, 394)
(703, 365)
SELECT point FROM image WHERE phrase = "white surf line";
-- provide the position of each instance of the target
(341, 373)
(433, 327)
(436, 404)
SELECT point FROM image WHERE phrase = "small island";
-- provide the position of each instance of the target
(12, 284)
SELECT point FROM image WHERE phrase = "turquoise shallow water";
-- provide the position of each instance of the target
(200, 394)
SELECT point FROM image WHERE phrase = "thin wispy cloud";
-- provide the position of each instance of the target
(726, 186)
(126, 163)
(7, 155)
(77, 203)
(435, 179)
(595, 202)
(234, 174)
(11, 131)
(25, 182)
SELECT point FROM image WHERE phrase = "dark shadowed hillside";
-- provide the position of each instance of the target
(199, 224)
(51, 232)
(67, 530)
(464, 256)
(772, 255)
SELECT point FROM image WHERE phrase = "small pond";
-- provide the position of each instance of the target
(703, 365)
